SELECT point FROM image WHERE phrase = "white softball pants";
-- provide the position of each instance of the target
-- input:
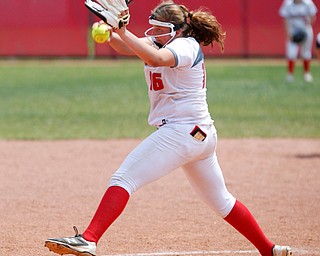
(169, 148)
(292, 49)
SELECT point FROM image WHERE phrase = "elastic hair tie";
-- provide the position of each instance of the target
(184, 14)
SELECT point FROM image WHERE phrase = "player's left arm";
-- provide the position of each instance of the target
(286, 27)
(313, 19)
(313, 11)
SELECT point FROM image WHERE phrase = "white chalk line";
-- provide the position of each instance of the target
(300, 251)
(184, 253)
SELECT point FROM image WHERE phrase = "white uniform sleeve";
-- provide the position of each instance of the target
(283, 12)
(183, 50)
(313, 9)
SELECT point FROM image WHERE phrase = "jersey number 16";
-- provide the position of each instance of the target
(156, 83)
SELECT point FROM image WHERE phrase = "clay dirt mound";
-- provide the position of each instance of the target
(46, 187)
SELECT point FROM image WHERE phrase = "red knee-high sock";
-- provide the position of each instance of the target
(291, 66)
(306, 66)
(243, 221)
(111, 206)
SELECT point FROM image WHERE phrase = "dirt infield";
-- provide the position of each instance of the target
(47, 187)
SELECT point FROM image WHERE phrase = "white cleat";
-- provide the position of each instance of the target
(308, 77)
(76, 245)
(279, 250)
(289, 78)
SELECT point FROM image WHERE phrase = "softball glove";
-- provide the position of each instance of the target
(113, 12)
(299, 36)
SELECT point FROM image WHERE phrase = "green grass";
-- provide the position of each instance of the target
(255, 101)
(108, 99)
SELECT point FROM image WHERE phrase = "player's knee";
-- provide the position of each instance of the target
(221, 205)
(225, 208)
(306, 54)
(121, 180)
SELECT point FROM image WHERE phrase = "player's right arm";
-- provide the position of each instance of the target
(286, 27)
(149, 54)
(283, 12)
(119, 46)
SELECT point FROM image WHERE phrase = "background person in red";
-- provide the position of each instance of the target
(298, 15)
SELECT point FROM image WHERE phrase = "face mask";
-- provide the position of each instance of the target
(153, 38)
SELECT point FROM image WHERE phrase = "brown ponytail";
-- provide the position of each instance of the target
(199, 24)
(204, 27)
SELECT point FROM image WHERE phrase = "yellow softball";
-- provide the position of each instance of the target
(100, 33)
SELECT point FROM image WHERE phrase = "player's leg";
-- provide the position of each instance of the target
(160, 153)
(292, 50)
(146, 163)
(209, 184)
(164, 151)
(306, 54)
(206, 178)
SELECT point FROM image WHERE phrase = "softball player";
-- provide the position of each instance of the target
(185, 136)
(299, 15)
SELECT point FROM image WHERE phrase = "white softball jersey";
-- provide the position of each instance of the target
(298, 17)
(186, 136)
(178, 94)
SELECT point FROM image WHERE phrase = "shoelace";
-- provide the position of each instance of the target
(76, 231)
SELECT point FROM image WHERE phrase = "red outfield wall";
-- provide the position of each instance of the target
(60, 28)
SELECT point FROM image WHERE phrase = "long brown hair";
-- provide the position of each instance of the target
(199, 24)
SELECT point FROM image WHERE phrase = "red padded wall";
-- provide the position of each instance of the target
(228, 12)
(61, 27)
(43, 28)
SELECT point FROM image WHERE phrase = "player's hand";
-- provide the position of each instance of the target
(99, 23)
